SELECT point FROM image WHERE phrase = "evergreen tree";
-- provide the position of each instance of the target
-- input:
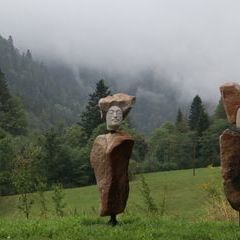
(203, 122)
(10, 41)
(14, 118)
(7, 155)
(4, 93)
(179, 118)
(195, 112)
(91, 117)
(198, 118)
(29, 54)
(12, 115)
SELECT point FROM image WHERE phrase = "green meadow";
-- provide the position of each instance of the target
(131, 228)
(185, 212)
(183, 192)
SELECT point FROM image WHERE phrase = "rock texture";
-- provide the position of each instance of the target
(230, 162)
(121, 100)
(110, 158)
(238, 119)
(231, 100)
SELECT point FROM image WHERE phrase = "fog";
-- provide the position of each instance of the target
(195, 43)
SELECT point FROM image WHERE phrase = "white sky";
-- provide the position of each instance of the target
(196, 42)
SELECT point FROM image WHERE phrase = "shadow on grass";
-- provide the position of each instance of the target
(92, 221)
(104, 221)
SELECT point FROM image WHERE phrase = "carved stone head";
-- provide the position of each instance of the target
(115, 108)
(114, 118)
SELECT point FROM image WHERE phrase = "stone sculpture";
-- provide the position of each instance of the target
(110, 156)
(230, 144)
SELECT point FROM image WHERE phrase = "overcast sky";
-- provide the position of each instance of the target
(196, 42)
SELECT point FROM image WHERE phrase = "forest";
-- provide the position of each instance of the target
(59, 154)
(47, 129)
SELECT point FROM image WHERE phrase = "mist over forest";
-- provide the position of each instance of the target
(164, 52)
(158, 50)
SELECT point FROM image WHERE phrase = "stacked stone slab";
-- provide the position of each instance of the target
(110, 159)
(230, 145)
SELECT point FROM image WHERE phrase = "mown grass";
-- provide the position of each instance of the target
(184, 195)
(88, 228)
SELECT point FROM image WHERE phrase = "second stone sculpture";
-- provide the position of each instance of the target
(230, 144)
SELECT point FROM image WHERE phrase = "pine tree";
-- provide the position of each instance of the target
(14, 119)
(195, 112)
(91, 117)
(198, 119)
(29, 54)
(12, 115)
(4, 92)
(203, 122)
(10, 41)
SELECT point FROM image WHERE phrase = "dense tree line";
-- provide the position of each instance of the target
(59, 155)
(192, 141)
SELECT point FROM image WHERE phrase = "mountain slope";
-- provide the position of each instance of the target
(50, 95)
(56, 93)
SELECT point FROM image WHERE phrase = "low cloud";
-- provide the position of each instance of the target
(194, 43)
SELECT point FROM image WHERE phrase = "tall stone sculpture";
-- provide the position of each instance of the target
(110, 156)
(230, 144)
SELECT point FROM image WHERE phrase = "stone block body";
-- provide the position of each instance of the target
(230, 163)
(110, 158)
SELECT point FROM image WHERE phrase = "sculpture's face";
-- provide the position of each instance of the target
(114, 118)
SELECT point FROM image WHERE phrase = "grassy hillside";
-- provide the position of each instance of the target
(184, 195)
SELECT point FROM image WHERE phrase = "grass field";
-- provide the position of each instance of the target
(184, 195)
(185, 213)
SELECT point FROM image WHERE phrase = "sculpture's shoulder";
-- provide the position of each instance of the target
(117, 138)
(99, 142)
(100, 139)
(124, 135)
(108, 138)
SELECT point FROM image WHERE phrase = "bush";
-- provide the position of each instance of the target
(58, 200)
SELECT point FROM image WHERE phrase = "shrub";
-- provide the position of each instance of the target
(58, 200)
